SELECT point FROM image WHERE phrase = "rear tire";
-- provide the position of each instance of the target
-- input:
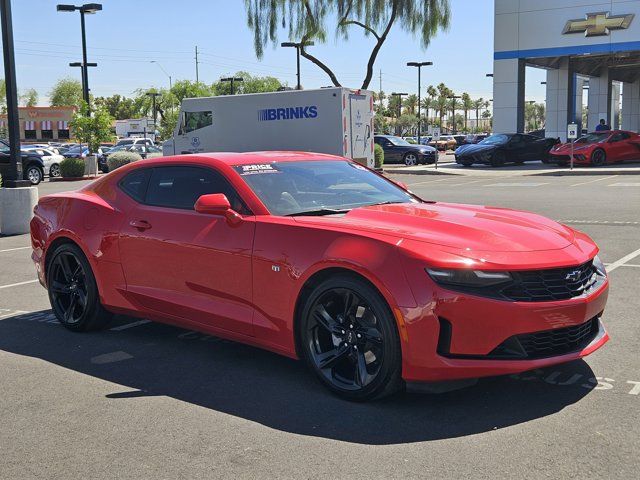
(598, 157)
(73, 292)
(54, 171)
(348, 337)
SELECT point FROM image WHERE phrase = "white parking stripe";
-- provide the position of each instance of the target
(593, 181)
(517, 184)
(14, 249)
(467, 183)
(623, 260)
(130, 325)
(17, 284)
(625, 184)
(429, 181)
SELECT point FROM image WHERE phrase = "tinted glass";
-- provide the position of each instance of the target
(593, 137)
(135, 184)
(180, 187)
(495, 140)
(291, 188)
(196, 120)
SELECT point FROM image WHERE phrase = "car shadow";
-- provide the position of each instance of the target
(280, 393)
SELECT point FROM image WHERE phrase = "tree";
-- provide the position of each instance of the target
(92, 128)
(467, 104)
(66, 92)
(477, 106)
(442, 101)
(29, 98)
(406, 124)
(411, 104)
(250, 84)
(119, 107)
(307, 21)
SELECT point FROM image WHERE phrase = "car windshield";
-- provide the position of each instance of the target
(495, 140)
(74, 150)
(398, 141)
(319, 187)
(593, 138)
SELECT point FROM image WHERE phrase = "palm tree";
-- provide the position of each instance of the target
(477, 105)
(467, 104)
(444, 93)
(432, 93)
(411, 104)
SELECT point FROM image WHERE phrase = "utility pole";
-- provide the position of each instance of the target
(197, 75)
(12, 177)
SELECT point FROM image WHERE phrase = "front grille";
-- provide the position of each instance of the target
(553, 284)
(548, 343)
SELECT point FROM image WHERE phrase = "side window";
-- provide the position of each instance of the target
(135, 184)
(180, 187)
(618, 137)
(196, 120)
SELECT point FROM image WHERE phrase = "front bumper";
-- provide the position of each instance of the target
(479, 326)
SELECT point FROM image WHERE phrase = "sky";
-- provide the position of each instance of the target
(127, 35)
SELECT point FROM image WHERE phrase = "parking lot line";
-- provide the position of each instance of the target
(623, 260)
(593, 181)
(625, 184)
(517, 184)
(13, 249)
(428, 181)
(17, 284)
(468, 183)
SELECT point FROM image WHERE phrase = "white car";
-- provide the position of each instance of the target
(50, 158)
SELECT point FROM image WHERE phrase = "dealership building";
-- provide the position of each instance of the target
(590, 50)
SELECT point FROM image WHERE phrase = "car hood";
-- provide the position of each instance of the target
(475, 148)
(464, 227)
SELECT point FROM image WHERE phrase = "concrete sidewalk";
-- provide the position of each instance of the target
(449, 167)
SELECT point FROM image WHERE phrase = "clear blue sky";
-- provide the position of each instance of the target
(128, 34)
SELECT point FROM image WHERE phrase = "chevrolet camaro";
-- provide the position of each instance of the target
(319, 258)
(599, 148)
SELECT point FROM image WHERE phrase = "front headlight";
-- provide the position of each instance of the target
(599, 266)
(468, 278)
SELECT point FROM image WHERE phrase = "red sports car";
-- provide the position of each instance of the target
(316, 257)
(599, 148)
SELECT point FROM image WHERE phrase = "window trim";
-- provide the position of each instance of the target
(191, 165)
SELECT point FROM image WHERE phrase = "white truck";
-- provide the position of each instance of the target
(135, 128)
(337, 121)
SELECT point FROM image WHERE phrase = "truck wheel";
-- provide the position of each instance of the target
(34, 174)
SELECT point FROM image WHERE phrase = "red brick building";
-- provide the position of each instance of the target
(42, 124)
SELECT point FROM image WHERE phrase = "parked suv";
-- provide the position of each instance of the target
(32, 164)
(135, 141)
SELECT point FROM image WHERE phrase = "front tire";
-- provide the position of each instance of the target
(73, 292)
(349, 339)
(34, 174)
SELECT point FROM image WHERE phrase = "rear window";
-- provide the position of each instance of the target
(135, 184)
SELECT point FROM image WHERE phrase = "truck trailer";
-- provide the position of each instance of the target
(336, 121)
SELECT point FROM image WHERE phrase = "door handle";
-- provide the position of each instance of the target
(140, 224)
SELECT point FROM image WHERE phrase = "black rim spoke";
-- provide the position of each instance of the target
(351, 302)
(362, 375)
(325, 320)
(60, 288)
(65, 268)
(372, 335)
(331, 358)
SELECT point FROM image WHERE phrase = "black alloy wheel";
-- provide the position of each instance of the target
(73, 293)
(350, 339)
(598, 157)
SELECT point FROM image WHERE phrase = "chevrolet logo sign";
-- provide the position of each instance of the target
(598, 24)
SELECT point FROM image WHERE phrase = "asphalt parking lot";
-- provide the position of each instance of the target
(144, 400)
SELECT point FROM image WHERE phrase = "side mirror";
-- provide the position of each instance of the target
(217, 204)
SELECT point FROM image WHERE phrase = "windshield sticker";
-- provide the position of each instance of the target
(257, 168)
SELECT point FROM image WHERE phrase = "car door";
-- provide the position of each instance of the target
(619, 148)
(390, 150)
(532, 148)
(186, 264)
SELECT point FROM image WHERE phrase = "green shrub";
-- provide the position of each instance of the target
(72, 168)
(378, 154)
(118, 159)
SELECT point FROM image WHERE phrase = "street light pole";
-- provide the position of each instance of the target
(298, 46)
(87, 8)
(232, 80)
(419, 66)
(12, 177)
